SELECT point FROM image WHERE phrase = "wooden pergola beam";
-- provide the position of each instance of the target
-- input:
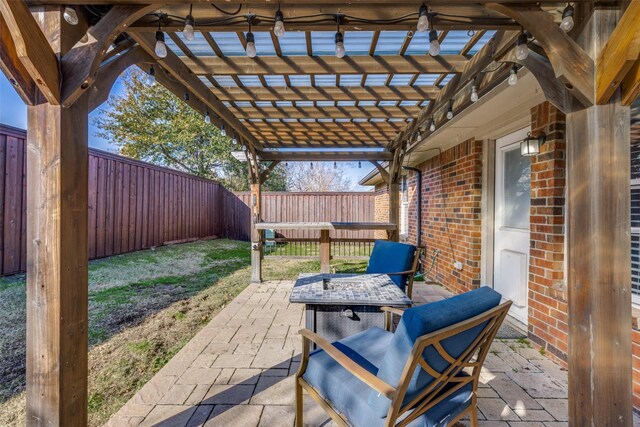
(571, 64)
(183, 74)
(324, 93)
(323, 112)
(325, 156)
(631, 84)
(32, 48)
(619, 55)
(13, 68)
(265, 65)
(80, 64)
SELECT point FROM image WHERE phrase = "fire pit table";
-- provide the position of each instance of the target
(339, 305)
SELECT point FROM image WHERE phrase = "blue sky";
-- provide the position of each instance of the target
(13, 112)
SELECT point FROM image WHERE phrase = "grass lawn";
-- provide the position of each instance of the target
(143, 308)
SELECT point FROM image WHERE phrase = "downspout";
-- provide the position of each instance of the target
(419, 210)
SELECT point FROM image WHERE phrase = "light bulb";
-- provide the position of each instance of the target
(434, 45)
(423, 20)
(335, 165)
(278, 27)
(450, 113)
(432, 127)
(70, 15)
(251, 45)
(161, 47)
(186, 96)
(474, 94)
(207, 118)
(340, 45)
(234, 140)
(189, 25)
(359, 165)
(151, 77)
(567, 18)
(522, 49)
(418, 137)
(311, 165)
(223, 131)
(513, 76)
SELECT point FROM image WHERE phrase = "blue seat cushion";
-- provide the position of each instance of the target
(391, 257)
(348, 395)
(422, 320)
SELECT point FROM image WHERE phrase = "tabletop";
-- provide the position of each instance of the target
(361, 289)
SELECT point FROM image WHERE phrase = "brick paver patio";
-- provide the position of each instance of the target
(238, 371)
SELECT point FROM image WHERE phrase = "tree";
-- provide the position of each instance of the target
(317, 177)
(149, 123)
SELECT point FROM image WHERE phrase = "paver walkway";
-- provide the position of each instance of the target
(238, 371)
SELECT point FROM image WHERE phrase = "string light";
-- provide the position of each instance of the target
(423, 20)
(311, 165)
(234, 140)
(151, 77)
(418, 137)
(251, 43)
(434, 44)
(189, 25)
(450, 111)
(161, 47)
(513, 76)
(70, 15)
(207, 118)
(340, 51)
(186, 95)
(567, 18)
(522, 48)
(474, 93)
(359, 165)
(223, 130)
(278, 27)
(335, 165)
(432, 126)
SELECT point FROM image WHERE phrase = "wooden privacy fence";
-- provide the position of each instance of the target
(132, 205)
(317, 207)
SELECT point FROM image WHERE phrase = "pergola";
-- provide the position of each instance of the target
(299, 99)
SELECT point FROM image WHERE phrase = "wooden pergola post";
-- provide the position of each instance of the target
(257, 236)
(393, 185)
(599, 265)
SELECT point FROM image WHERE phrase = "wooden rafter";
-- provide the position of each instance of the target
(619, 55)
(13, 68)
(571, 64)
(348, 156)
(80, 64)
(322, 112)
(394, 64)
(180, 72)
(32, 48)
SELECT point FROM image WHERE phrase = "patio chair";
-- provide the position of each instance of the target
(398, 260)
(424, 374)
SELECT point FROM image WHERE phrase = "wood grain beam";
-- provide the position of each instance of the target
(80, 64)
(108, 73)
(323, 112)
(327, 93)
(619, 55)
(181, 72)
(32, 48)
(571, 64)
(631, 84)
(13, 68)
(325, 156)
(287, 65)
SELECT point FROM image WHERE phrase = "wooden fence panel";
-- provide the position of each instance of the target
(132, 205)
(306, 207)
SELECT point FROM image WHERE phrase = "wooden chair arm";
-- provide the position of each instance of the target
(347, 363)
(388, 316)
(401, 273)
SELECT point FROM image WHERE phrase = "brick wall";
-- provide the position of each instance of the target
(548, 325)
(381, 208)
(451, 216)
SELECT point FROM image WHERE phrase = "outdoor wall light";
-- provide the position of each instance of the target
(530, 146)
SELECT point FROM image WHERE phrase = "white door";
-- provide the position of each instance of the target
(511, 240)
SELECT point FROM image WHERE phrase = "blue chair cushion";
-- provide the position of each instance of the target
(422, 320)
(348, 395)
(391, 257)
